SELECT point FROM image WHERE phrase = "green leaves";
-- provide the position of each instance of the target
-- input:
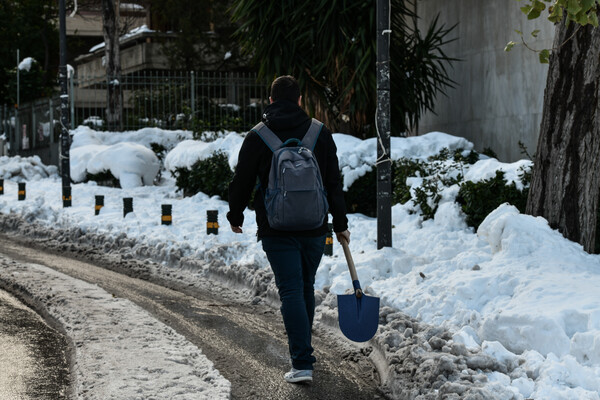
(510, 45)
(330, 47)
(582, 12)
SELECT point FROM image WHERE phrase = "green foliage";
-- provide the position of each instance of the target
(30, 26)
(478, 199)
(161, 152)
(104, 178)
(330, 47)
(442, 169)
(31, 83)
(581, 12)
(418, 67)
(210, 176)
(361, 196)
(402, 169)
(489, 152)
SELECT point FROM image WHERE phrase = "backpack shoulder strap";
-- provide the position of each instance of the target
(312, 135)
(267, 135)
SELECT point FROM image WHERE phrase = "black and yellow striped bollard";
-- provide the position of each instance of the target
(21, 191)
(66, 190)
(166, 217)
(329, 241)
(212, 222)
(127, 205)
(1, 186)
(99, 204)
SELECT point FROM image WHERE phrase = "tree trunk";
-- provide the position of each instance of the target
(566, 175)
(110, 24)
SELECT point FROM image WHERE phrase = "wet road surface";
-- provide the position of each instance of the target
(33, 356)
(245, 341)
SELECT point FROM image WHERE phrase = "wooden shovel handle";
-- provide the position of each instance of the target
(351, 266)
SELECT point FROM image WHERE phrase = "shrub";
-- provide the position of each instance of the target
(210, 176)
(402, 169)
(361, 197)
(161, 152)
(104, 178)
(478, 199)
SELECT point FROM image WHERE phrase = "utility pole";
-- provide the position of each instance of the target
(65, 140)
(382, 123)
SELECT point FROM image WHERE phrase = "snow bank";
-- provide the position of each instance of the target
(132, 164)
(126, 155)
(84, 135)
(20, 169)
(357, 157)
(186, 153)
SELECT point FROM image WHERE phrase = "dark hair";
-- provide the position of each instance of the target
(285, 88)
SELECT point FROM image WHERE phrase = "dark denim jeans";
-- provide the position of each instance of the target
(294, 261)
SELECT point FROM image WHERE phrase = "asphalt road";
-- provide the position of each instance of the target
(33, 355)
(245, 341)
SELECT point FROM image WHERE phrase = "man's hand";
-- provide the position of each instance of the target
(236, 229)
(345, 235)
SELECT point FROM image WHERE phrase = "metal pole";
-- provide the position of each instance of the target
(64, 109)
(18, 82)
(382, 123)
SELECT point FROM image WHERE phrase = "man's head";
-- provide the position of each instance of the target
(285, 88)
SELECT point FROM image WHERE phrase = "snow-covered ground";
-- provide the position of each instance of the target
(515, 289)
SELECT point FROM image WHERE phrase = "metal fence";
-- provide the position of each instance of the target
(173, 100)
(197, 101)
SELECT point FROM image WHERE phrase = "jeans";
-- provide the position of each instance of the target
(294, 261)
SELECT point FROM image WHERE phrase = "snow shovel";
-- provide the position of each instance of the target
(358, 314)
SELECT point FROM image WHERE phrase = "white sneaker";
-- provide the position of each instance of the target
(298, 375)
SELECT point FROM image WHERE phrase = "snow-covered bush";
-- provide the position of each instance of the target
(210, 176)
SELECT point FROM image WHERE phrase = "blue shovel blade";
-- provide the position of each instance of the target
(358, 317)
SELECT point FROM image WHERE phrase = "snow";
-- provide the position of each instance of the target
(515, 290)
(132, 33)
(26, 64)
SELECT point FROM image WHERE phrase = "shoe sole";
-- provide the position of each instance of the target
(299, 379)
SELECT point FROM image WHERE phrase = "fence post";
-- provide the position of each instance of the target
(167, 216)
(193, 94)
(99, 204)
(212, 222)
(21, 194)
(17, 132)
(51, 123)
(72, 99)
(33, 126)
(127, 205)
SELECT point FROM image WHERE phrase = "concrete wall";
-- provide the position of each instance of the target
(499, 97)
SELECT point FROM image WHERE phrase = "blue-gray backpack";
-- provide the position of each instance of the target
(295, 199)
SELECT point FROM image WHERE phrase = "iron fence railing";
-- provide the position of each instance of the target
(173, 100)
(197, 101)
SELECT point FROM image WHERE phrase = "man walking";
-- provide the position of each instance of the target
(295, 251)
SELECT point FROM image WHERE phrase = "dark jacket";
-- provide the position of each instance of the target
(287, 120)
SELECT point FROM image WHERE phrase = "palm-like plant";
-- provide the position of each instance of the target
(330, 47)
